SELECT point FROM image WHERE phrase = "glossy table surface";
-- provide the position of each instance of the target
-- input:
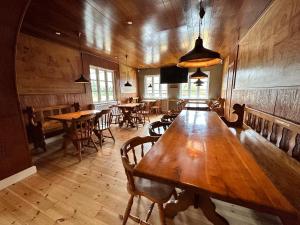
(196, 106)
(199, 153)
(129, 105)
(73, 115)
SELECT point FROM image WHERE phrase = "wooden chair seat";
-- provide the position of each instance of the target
(155, 191)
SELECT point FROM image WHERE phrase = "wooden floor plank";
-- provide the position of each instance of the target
(93, 192)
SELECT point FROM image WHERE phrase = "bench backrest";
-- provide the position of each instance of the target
(282, 133)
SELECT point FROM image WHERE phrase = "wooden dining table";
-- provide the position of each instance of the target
(197, 106)
(200, 155)
(127, 110)
(66, 119)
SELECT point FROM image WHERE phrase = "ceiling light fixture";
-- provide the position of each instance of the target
(57, 33)
(127, 84)
(81, 79)
(129, 22)
(200, 56)
(198, 74)
(199, 82)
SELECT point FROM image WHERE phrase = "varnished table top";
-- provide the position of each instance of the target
(198, 152)
(73, 115)
(196, 106)
(129, 105)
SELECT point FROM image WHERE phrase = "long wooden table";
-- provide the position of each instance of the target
(197, 106)
(199, 154)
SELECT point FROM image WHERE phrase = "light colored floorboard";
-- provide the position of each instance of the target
(93, 192)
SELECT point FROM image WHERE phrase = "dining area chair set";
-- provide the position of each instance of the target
(82, 130)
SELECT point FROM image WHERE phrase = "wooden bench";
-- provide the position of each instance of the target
(275, 144)
(39, 127)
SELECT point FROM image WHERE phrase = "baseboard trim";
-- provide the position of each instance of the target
(17, 177)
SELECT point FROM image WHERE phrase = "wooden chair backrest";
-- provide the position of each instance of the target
(103, 119)
(130, 156)
(157, 128)
(115, 110)
(282, 133)
(169, 117)
(82, 127)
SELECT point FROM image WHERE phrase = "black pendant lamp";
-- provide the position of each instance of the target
(81, 79)
(198, 74)
(150, 86)
(200, 56)
(127, 84)
(199, 82)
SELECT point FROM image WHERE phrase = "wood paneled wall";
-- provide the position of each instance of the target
(14, 152)
(268, 63)
(46, 72)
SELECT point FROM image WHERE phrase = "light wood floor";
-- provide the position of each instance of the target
(93, 192)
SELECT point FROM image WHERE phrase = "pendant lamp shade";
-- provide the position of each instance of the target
(199, 57)
(199, 82)
(127, 84)
(150, 86)
(81, 79)
(198, 74)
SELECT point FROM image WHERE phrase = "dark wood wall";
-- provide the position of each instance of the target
(268, 64)
(14, 153)
(46, 72)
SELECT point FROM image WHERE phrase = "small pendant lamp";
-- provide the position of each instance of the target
(199, 82)
(127, 84)
(198, 74)
(81, 79)
(200, 56)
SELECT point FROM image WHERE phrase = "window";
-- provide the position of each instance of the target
(156, 90)
(102, 83)
(191, 91)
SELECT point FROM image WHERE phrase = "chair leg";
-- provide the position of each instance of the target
(161, 214)
(78, 148)
(150, 211)
(128, 209)
(91, 139)
(112, 136)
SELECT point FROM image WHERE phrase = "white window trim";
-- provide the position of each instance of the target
(189, 90)
(97, 68)
(146, 88)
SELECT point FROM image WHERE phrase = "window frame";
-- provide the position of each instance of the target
(152, 96)
(190, 83)
(106, 71)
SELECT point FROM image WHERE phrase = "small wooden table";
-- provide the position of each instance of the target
(197, 106)
(67, 117)
(127, 111)
(199, 154)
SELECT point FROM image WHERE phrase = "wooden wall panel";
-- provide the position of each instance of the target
(288, 104)
(14, 152)
(269, 53)
(49, 80)
(268, 68)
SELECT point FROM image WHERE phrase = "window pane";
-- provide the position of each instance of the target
(93, 74)
(103, 96)
(95, 96)
(94, 85)
(109, 76)
(101, 75)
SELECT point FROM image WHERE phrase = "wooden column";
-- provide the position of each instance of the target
(14, 152)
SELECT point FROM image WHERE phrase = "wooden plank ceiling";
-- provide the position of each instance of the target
(161, 32)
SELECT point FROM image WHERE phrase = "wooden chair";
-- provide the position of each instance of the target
(145, 111)
(169, 117)
(81, 131)
(138, 116)
(102, 123)
(157, 128)
(157, 107)
(156, 192)
(116, 114)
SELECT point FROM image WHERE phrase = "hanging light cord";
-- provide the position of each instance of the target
(201, 14)
(126, 67)
(79, 40)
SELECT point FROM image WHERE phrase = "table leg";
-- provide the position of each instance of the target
(187, 199)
